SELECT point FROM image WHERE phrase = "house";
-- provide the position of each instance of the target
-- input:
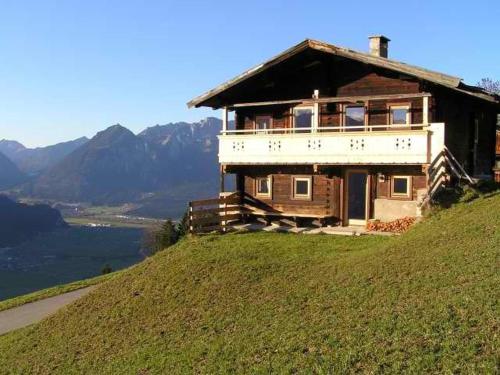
(327, 134)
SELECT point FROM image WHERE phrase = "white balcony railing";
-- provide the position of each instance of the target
(415, 144)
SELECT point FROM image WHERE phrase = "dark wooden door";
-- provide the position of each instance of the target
(356, 197)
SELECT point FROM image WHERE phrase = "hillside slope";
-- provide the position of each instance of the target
(423, 302)
(20, 222)
(10, 175)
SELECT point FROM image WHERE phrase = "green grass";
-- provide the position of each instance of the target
(54, 291)
(423, 302)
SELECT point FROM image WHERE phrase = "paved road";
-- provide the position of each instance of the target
(33, 312)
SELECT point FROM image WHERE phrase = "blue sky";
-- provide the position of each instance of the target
(72, 68)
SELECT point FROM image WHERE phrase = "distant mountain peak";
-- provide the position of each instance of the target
(10, 147)
(10, 175)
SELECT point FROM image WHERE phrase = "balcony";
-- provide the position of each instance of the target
(376, 144)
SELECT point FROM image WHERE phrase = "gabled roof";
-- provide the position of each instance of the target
(411, 70)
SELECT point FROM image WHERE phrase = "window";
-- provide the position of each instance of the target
(354, 116)
(399, 115)
(401, 186)
(263, 186)
(301, 187)
(302, 118)
(263, 122)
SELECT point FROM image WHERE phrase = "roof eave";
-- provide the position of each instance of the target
(198, 101)
(411, 70)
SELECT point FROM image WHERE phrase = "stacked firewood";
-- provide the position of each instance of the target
(396, 226)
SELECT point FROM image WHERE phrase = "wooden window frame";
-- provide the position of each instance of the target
(302, 197)
(406, 105)
(299, 107)
(270, 116)
(344, 115)
(270, 185)
(408, 194)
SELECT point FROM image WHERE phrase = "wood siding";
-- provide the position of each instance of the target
(325, 196)
(460, 113)
(326, 200)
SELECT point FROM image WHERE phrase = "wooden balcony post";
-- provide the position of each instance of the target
(224, 120)
(222, 179)
(315, 120)
(425, 110)
(191, 226)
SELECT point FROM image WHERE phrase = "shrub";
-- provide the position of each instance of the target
(183, 225)
(106, 269)
(468, 194)
(166, 235)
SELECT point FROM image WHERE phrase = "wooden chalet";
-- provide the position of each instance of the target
(335, 136)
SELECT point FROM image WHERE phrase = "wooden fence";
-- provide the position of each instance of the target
(214, 214)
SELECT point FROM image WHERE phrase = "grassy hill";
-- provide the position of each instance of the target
(423, 302)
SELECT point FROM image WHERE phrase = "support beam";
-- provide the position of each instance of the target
(315, 119)
(224, 120)
(335, 99)
(425, 110)
(222, 182)
(315, 122)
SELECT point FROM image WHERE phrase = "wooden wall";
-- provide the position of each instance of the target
(460, 112)
(376, 83)
(327, 188)
(368, 82)
(383, 188)
(497, 148)
(324, 202)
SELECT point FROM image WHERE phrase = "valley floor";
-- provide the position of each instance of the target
(66, 255)
(423, 302)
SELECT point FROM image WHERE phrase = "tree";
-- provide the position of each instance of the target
(168, 234)
(490, 85)
(160, 237)
(183, 225)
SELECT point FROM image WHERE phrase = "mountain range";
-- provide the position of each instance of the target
(159, 169)
(33, 161)
(10, 175)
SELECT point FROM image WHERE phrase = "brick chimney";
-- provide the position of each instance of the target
(379, 45)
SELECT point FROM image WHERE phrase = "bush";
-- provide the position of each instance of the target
(106, 269)
(464, 193)
(183, 225)
(166, 235)
(468, 194)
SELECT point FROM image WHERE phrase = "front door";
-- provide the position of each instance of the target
(357, 188)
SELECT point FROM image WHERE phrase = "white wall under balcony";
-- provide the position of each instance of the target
(366, 147)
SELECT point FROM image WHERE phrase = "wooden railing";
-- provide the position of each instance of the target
(323, 129)
(215, 214)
